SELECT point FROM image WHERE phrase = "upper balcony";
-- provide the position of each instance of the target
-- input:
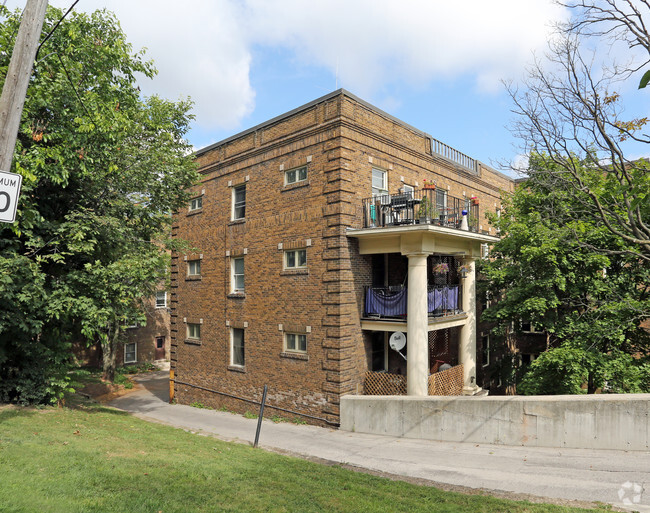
(425, 221)
(422, 206)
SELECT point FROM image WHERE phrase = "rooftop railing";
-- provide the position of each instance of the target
(448, 153)
(423, 206)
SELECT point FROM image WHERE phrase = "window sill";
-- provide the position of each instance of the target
(237, 221)
(193, 341)
(193, 278)
(194, 212)
(237, 368)
(294, 272)
(297, 185)
(295, 356)
(237, 295)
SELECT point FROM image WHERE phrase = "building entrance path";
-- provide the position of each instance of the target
(619, 478)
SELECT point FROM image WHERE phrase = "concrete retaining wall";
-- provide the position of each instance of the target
(594, 422)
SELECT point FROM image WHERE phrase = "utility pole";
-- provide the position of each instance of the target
(17, 79)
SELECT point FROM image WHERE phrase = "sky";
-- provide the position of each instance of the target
(438, 66)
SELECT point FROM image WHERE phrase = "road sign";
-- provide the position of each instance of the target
(9, 191)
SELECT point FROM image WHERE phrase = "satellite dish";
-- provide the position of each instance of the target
(397, 341)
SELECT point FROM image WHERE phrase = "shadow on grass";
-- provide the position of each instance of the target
(11, 411)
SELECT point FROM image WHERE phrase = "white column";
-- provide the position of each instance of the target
(467, 346)
(417, 363)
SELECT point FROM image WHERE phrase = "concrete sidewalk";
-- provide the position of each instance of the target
(619, 478)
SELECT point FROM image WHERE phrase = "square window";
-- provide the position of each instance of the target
(295, 259)
(196, 203)
(239, 202)
(379, 185)
(295, 342)
(237, 347)
(237, 275)
(194, 267)
(194, 331)
(130, 352)
(161, 299)
(295, 175)
(408, 190)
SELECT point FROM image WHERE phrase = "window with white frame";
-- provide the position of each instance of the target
(194, 267)
(295, 342)
(131, 352)
(529, 327)
(237, 347)
(161, 299)
(295, 259)
(237, 270)
(379, 182)
(441, 199)
(295, 175)
(196, 203)
(193, 331)
(239, 202)
(408, 190)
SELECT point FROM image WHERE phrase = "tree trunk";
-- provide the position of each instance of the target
(109, 352)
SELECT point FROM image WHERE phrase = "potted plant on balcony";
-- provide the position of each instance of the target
(428, 185)
(474, 200)
(427, 211)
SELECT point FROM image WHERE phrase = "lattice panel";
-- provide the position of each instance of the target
(447, 382)
(381, 383)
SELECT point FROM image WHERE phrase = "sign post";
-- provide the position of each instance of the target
(9, 191)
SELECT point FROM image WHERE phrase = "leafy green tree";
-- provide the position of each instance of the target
(590, 304)
(567, 108)
(103, 169)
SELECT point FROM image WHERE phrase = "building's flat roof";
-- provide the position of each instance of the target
(317, 101)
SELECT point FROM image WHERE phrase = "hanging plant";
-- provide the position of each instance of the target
(441, 268)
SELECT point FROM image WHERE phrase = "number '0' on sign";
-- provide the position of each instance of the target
(9, 191)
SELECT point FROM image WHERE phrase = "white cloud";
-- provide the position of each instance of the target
(203, 48)
(379, 41)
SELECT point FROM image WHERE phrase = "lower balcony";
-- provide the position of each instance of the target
(448, 381)
(391, 302)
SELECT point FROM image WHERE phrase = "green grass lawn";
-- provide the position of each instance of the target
(93, 459)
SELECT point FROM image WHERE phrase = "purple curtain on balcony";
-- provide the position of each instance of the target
(380, 304)
(444, 298)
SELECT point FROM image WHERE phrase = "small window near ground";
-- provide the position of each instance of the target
(239, 202)
(295, 259)
(196, 203)
(194, 268)
(295, 342)
(237, 347)
(295, 175)
(130, 352)
(161, 299)
(194, 331)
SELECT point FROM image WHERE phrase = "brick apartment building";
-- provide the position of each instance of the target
(313, 234)
(147, 342)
